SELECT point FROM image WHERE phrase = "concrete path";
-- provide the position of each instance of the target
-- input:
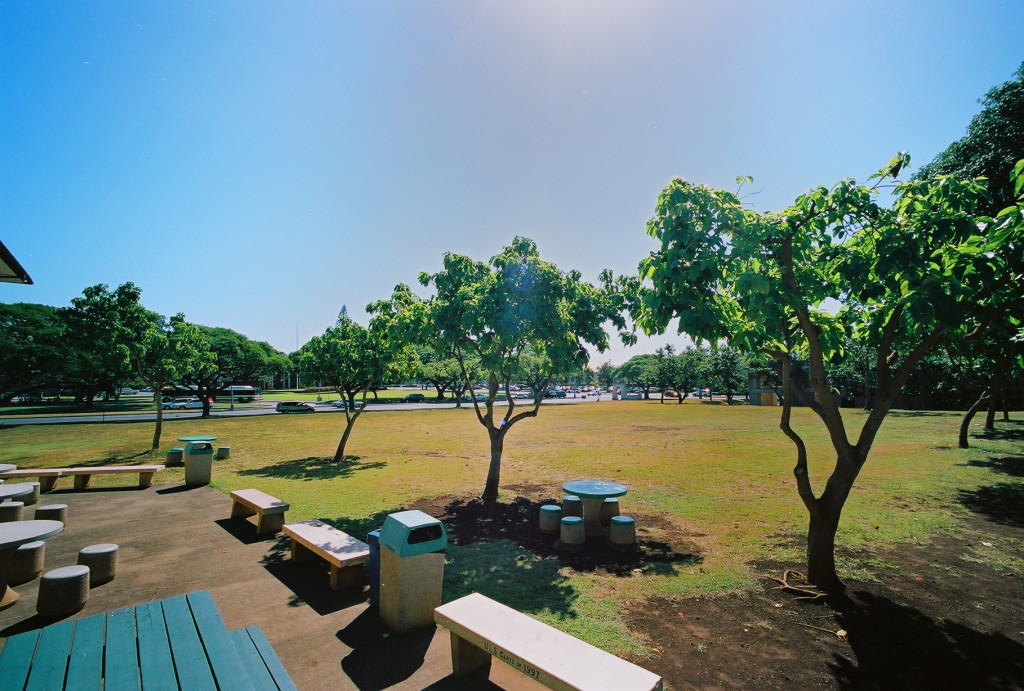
(175, 540)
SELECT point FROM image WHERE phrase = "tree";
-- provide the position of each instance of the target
(724, 372)
(32, 349)
(167, 351)
(239, 361)
(926, 271)
(443, 373)
(499, 312)
(639, 372)
(351, 359)
(100, 328)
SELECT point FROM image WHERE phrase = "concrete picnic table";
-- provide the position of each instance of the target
(17, 489)
(13, 535)
(592, 494)
(7, 467)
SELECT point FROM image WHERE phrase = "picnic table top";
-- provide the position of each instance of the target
(17, 489)
(17, 533)
(7, 467)
(594, 489)
(199, 437)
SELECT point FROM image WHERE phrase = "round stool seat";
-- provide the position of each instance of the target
(102, 562)
(52, 512)
(63, 591)
(622, 531)
(572, 531)
(34, 497)
(174, 456)
(223, 452)
(572, 505)
(11, 511)
(550, 517)
(609, 508)
(25, 563)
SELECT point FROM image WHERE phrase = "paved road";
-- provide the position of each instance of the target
(220, 410)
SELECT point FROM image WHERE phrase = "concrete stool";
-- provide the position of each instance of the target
(175, 457)
(63, 591)
(622, 532)
(572, 531)
(11, 511)
(550, 517)
(25, 563)
(609, 508)
(223, 452)
(102, 562)
(572, 506)
(53, 512)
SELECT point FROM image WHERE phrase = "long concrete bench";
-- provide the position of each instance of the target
(269, 511)
(345, 554)
(482, 628)
(83, 475)
(47, 477)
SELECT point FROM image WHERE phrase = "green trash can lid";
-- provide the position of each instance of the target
(408, 533)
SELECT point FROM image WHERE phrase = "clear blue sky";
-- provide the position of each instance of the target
(256, 164)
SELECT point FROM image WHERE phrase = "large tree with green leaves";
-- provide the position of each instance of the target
(928, 270)
(166, 351)
(100, 329)
(32, 348)
(352, 359)
(240, 360)
(513, 307)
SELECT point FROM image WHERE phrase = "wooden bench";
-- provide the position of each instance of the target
(269, 511)
(482, 628)
(345, 554)
(47, 477)
(177, 643)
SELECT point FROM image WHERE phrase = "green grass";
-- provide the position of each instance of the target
(723, 475)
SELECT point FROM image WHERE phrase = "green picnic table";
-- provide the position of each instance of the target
(177, 643)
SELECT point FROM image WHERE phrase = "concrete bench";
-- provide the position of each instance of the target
(482, 628)
(269, 511)
(345, 554)
(47, 477)
(84, 475)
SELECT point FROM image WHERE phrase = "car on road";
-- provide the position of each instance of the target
(633, 396)
(479, 397)
(294, 407)
(413, 398)
(340, 403)
(524, 395)
(182, 404)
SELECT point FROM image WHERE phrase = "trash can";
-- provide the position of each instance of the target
(373, 566)
(198, 457)
(412, 548)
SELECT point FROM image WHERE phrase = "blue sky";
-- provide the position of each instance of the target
(257, 165)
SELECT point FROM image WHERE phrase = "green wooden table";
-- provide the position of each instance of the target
(177, 643)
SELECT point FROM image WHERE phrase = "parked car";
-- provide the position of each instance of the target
(294, 407)
(340, 403)
(182, 404)
(413, 398)
(479, 397)
(125, 391)
(633, 396)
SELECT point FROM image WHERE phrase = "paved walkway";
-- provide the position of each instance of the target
(175, 540)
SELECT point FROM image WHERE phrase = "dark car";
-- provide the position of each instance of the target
(294, 407)
(413, 398)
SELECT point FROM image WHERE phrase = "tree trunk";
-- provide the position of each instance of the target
(494, 470)
(965, 424)
(990, 417)
(821, 547)
(339, 455)
(159, 422)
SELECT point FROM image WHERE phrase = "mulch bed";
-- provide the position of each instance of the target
(941, 620)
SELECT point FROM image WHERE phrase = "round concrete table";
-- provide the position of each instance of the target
(11, 536)
(16, 489)
(592, 494)
(197, 438)
(7, 467)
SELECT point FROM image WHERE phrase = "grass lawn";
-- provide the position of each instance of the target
(721, 475)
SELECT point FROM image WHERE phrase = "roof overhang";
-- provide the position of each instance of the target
(10, 269)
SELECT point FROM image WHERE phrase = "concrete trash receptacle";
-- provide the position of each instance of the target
(198, 457)
(412, 546)
(373, 567)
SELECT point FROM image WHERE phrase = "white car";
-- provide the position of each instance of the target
(183, 404)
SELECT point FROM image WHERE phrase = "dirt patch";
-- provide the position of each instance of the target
(941, 619)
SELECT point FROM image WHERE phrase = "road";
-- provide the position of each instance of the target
(267, 408)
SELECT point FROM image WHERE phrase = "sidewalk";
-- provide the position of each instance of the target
(175, 540)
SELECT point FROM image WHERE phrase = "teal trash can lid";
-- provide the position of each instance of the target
(408, 533)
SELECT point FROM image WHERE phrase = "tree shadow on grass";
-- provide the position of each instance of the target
(1002, 503)
(1007, 465)
(898, 647)
(1009, 430)
(313, 468)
